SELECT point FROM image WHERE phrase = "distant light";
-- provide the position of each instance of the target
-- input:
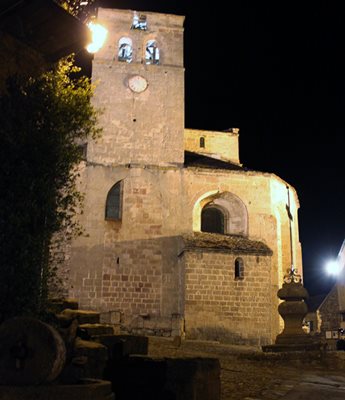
(333, 267)
(99, 33)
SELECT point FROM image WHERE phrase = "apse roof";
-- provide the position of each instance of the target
(202, 161)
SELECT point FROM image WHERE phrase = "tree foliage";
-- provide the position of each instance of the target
(42, 120)
(80, 9)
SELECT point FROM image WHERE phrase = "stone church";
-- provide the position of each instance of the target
(181, 238)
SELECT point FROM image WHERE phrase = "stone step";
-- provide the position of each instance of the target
(97, 329)
(91, 357)
(58, 305)
(123, 345)
(83, 316)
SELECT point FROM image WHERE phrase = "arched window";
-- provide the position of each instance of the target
(202, 142)
(113, 207)
(212, 220)
(152, 52)
(239, 268)
(125, 50)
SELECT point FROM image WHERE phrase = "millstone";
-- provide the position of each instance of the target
(31, 352)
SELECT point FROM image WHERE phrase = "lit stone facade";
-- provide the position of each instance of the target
(329, 315)
(151, 270)
(219, 145)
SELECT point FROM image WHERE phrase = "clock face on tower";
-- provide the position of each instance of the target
(137, 83)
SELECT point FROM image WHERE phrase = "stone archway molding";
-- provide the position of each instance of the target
(235, 211)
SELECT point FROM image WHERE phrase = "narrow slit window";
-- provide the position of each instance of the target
(311, 326)
(202, 142)
(82, 148)
(125, 52)
(152, 52)
(113, 208)
(239, 268)
(139, 22)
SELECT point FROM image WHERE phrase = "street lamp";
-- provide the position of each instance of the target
(333, 267)
(99, 34)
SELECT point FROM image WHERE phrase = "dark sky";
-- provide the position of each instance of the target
(278, 74)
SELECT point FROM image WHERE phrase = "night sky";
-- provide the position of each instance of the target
(278, 75)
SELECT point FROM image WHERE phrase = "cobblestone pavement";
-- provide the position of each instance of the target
(331, 387)
(246, 372)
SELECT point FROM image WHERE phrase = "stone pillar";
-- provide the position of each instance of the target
(293, 310)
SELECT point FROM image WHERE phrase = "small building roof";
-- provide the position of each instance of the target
(218, 242)
(44, 26)
(314, 302)
(199, 160)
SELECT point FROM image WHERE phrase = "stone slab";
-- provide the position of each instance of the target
(87, 389)
(120, 346)
(167, 378)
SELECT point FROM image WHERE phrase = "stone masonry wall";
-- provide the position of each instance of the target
(222, 145)
(329, 312)
(129, 266)
(220, 307)
(132, 266)
(142, 127)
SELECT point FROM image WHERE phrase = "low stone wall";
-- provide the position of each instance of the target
(145, 324)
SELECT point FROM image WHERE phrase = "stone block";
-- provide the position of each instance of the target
(58, 305)
(97, 329)
(168, 378)
(86, 389)
(95, 354)
(120, 346)
(83, 316)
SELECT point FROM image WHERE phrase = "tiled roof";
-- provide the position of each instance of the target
(45, 26)
(236, 244)
(314, 302)
(199, 160)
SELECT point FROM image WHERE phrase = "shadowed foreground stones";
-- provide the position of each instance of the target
(40, 362)
(145, 378)
(134, 375)
(31, 352)
(122, 346)
(36, 363)
(87, 389)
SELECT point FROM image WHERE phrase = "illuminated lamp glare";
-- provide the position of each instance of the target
(99, 34)
(333, 267)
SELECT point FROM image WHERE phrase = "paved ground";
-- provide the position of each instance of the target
(331, 387)
(249, 374)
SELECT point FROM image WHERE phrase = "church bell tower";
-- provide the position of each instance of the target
(139, 78)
